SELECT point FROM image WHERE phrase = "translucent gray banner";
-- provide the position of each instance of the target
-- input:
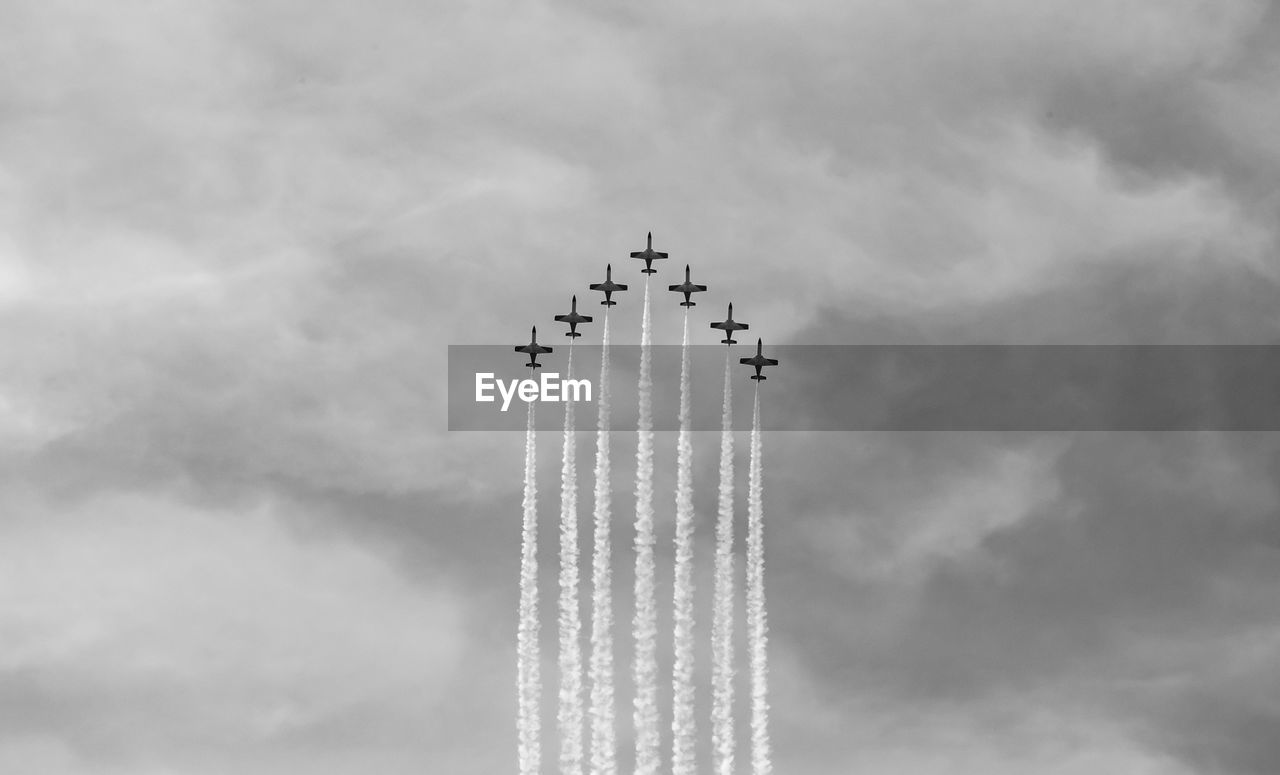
(904, 388)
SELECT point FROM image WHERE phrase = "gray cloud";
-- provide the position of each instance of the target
(236, 238)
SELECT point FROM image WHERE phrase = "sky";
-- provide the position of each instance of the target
(236, 239)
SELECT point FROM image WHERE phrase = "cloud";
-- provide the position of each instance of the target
(138, 625)
(236, 238)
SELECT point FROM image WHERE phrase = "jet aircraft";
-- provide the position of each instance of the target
(687, 288)
(608, 287)
(758, 360)
(728, 326)
(573, 319)
(648, 255)
(533, 349)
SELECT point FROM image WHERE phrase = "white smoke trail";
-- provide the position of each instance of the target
(644, 624)
(722, 739)
(569, 718)
(757, 624)
(603, 757)
(529, 682)
(683, 726)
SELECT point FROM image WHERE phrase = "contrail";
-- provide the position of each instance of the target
(529, 682)
(757, 625)
(684, 734)
(603, 759)
(645, 667)
(722, 739)
(569, 718)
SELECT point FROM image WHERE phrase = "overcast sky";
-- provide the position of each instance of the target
(236, 238)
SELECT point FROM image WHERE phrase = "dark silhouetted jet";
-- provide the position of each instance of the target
(728, 326)
(533, 349)
(573, 319)
(649, 255)
(758, 360)
(608, 286)
(687, 288)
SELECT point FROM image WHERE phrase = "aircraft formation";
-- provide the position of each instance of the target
(573, 318)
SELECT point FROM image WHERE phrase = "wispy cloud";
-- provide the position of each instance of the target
(235, 238)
